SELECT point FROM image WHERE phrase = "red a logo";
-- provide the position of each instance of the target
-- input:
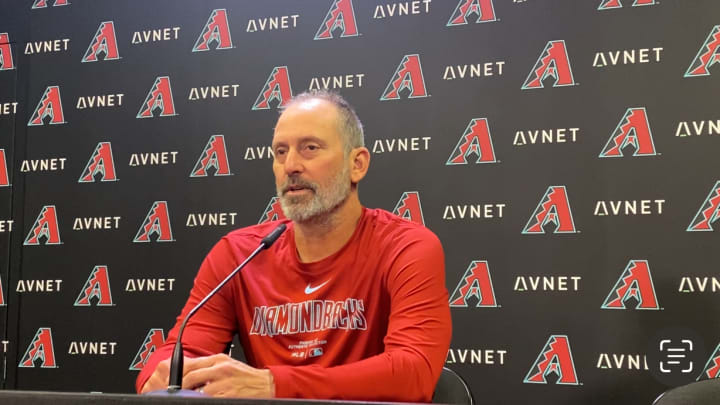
(160, 96)
(476, 283)
(101, 162)
(554, 208)
(216, 30)
(633, 129)
(556, 358)
(408, 75)
(2, 296)
(41, 348)
(610, 4)
(214, 155)
(276, 88)
(44, 3)
(154, 339)
(341, 15)
(708, 55)
(46, 225)
(4, 177)
(50, 105)
(554, 62)
(708, 213)
(634, 282)
(156, 222)
(712, 367)
(273, 212)
(409, 207)
(6, 58)
(483, 8)
(96, 286)
(105, 42)
(476, 139)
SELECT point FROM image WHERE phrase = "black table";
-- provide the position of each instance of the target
(73, 398)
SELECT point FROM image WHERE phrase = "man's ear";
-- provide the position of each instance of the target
(360, 162)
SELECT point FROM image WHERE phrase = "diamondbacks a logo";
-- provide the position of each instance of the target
(553, 208)
(46, 225)
(101, 162)
(633, 129)
(4, 177)
(214, 155)
(216, 31)
(409, 207)
(154, 339)
(408, 75)
(556, 358)
(160, 96)
(273, 211)
(50, 105)
(712, 367)
(157, 222)
(610, 4)
(40, 348)
(634, 282)
(341, 15)
(96, 287)
(104, 42)
(476, 282)
(475, 140)
(44, 3)
(6, 57)
(484, 9)
(708, 212)
(276, 88)
(553, 62)
(708, 55)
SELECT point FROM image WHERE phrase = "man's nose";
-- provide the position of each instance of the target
(293, 162)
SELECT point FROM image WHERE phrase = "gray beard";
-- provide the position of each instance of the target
(320, 205)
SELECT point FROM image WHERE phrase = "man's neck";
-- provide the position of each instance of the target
(316, 240)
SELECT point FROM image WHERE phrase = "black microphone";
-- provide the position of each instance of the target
(176, 364)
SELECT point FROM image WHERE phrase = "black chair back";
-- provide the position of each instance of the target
(699, 393)
(452, 389)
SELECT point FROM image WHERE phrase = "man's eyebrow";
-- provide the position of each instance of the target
(305, 138)
(311, 138)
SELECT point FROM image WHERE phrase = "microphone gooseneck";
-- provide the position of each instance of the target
(176, 362)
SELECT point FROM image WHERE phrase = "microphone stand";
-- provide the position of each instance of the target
(176, 363)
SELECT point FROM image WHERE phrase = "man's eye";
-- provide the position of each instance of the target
(279, 151)
(312, 147)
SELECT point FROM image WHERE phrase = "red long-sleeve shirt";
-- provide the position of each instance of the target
(370, 322)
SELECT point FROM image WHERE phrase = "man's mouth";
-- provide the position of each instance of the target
(297, 189)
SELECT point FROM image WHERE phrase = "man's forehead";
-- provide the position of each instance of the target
(309, 104)
(307, 116)
(312, 107)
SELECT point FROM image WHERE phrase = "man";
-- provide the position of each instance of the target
(349, 303)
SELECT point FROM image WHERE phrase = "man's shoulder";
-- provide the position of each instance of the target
(396, 228)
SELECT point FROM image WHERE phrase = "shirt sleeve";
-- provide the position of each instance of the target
(211, 329)
(416, 343)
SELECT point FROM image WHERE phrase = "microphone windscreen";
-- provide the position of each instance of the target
(272, 236)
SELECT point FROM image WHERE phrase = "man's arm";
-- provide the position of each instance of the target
(416, 343)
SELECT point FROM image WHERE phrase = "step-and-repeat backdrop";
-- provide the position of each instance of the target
(565, 152)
